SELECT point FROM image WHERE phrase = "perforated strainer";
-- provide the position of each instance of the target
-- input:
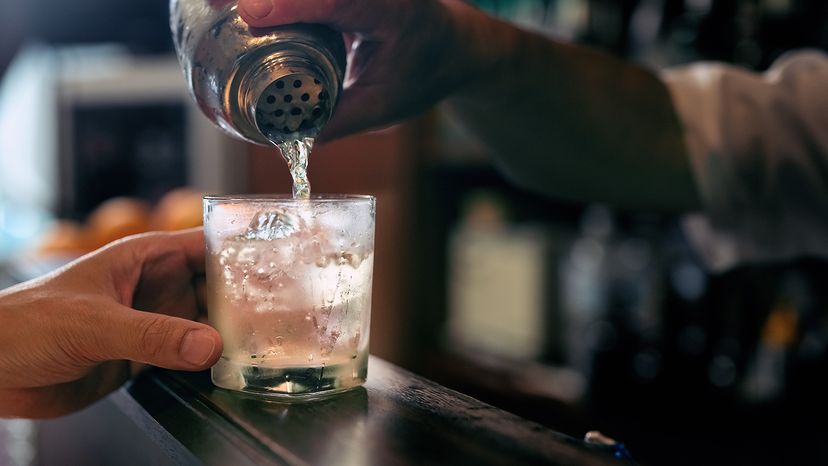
(295, 104)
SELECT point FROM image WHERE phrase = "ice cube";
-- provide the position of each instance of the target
(273, 224)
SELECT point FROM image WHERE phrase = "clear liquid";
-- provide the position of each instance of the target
(294, 318)
(296, 153)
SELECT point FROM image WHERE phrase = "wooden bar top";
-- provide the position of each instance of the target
(397, 418)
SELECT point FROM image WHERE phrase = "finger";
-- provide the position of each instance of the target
(133, 251)
(63, 398)
(359, 109)
(116, 269)
(191, 243)
(201, 295)
(344, 15)
(164, 341)
(44, 402)
(153, 246)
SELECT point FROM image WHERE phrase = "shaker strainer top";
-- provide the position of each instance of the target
(297, 102)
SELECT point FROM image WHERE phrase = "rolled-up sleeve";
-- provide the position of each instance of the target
(759, 150)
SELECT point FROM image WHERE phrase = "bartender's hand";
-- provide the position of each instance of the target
(67, 339)
(403, 55)
(561, 119)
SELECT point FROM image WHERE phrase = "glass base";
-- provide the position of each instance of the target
(290, 383)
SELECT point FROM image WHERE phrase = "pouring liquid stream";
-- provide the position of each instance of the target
(296, 153)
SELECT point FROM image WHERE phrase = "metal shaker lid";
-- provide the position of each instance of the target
(297, 104)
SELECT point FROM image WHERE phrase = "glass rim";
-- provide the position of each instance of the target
(287, 198)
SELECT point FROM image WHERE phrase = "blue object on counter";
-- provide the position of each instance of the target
(598, 441)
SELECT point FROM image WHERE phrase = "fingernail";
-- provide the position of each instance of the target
(258, 9)
(197, 347)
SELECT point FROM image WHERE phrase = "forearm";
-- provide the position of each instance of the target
(573, 122)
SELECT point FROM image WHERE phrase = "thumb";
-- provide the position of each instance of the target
(343, 15)
(156, 339)
(359, 109)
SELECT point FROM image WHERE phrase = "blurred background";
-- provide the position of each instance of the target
(576, 316)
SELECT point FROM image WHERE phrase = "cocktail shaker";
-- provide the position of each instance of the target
(265, 86)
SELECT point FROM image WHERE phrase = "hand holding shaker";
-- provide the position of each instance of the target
(265, 86)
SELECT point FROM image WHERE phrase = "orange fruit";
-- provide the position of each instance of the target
(115, 219)
(64, 238)
(179, 209)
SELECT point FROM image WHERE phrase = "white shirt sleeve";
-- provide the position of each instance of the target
(758, 145)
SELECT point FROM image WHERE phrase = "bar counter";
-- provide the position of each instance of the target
(397, 418)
